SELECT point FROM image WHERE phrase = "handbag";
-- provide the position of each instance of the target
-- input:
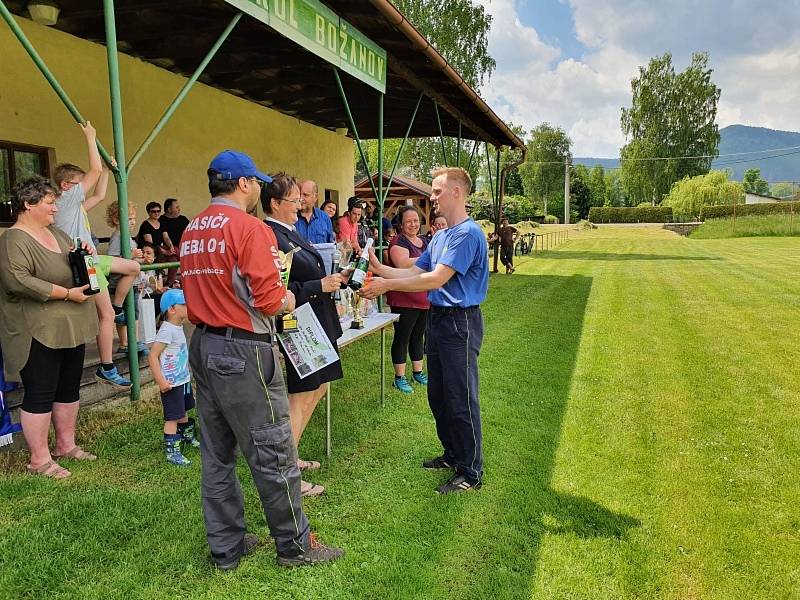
(146, 330)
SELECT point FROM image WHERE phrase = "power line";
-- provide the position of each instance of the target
(713, 156)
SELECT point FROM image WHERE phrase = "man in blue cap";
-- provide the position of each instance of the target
(231, 279)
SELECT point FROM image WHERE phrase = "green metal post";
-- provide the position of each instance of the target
(48, 75)
(184, 91)
(489, 169)
(472, 155)
(353, 127)
(458, 146)
(379, 199)
(121, 177)
(402, 145)
(441, 134)
(379, 206)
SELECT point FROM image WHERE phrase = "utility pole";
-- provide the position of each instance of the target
(566, 190)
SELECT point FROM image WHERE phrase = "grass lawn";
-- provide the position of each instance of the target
(642, 440)
(749, 226)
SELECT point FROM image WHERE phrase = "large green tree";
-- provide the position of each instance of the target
(753, 182)
(459, 30)
(543, 171)
(670, 126)
(690, 194)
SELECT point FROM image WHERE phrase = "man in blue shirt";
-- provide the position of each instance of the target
(312, 223)
(454, 270)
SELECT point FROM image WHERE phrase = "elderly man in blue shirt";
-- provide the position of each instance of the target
(312, 223)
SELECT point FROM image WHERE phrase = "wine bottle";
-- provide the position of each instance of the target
(84, 269)
(360, 272)
(336, 259)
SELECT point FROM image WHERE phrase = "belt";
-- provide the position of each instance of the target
(238, 334)
(444, 310)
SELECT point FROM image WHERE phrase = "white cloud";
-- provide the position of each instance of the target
(755, 54)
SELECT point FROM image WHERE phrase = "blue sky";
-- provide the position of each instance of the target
(570, 62)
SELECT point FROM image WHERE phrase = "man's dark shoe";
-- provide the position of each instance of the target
(229, 564)
(436, 463)
(316, 554)
(458, 483)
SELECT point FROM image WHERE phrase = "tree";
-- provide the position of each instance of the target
(579, 192)
(459, 30)
(672, 116)
(543, 171)
(597, 185)
(691, 194)
(785, 189)
(753, 183)
(615, 191)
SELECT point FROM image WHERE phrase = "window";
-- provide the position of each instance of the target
(17, 163)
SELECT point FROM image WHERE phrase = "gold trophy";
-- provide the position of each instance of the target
(355, 303)
(287, 322)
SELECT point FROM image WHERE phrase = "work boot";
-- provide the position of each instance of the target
(316, 554)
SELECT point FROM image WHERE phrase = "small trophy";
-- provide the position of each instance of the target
(358, 320)
(287, 322)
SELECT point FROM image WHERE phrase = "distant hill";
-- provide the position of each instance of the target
(742, 138)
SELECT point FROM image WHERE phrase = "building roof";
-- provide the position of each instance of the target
(262, 66)
(401, 186)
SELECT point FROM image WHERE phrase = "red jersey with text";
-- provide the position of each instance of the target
(230, 270)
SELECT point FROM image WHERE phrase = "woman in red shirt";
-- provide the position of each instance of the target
(409, 330)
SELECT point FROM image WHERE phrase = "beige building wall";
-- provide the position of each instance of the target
(208, 121)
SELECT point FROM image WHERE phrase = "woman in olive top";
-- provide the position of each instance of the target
(45, 323)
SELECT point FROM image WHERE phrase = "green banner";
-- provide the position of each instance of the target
(319, 30)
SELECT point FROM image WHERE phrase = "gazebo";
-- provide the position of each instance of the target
(399, 191)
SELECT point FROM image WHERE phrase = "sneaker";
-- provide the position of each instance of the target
(316, 554)
(120, 319)
(458, 483)
(226, 564)
(420, 378)
(401, 383)
(436, 463)
(141, 347)
(112, 377)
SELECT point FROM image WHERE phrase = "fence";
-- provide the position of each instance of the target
(533, 242)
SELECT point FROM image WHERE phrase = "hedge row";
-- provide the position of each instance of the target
(726, 210)
(646, 214)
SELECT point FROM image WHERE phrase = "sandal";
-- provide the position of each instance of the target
(307, 465)
(49, 469)
(77, 453)
(310, 489)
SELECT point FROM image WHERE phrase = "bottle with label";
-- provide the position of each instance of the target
(336, 260)
(360, 272)
(84, 269)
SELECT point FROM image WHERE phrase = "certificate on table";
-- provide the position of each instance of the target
(308, 348)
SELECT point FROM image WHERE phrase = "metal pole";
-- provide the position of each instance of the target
(489, 169)
(121, 177)
(472, 155)
(566, 191)
(48, 75)
(383, 369)
(400, 151)
(498, 200)
(328, 421)
(184, 91)
(458, 146)
(354, 129)
(441, 134)
(379, 202)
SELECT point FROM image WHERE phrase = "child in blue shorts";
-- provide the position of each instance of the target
(169, 363)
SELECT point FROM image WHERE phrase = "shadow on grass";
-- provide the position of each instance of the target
(615, 256)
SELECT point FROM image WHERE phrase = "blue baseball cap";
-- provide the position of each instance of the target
(230, 164)
(171, 298)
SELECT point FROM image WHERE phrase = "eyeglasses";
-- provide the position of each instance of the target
(154, 211)
(292, 200)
